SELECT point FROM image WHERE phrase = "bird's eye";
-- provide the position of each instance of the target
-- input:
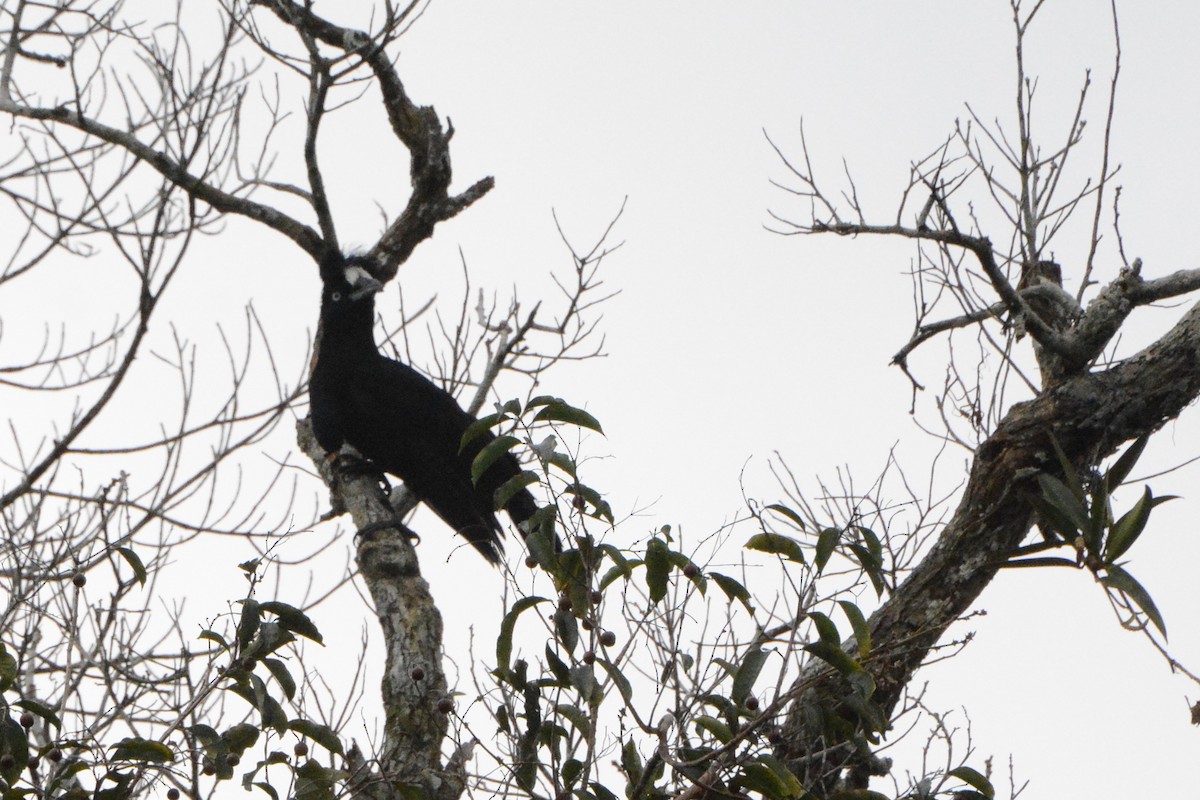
(336, 296)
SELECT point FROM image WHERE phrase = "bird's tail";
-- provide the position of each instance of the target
(521, 506)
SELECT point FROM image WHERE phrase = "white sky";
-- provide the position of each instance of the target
(729, 342)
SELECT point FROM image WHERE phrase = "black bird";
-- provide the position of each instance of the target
(397, 418)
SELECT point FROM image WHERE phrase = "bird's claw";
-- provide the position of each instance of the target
(349, 465)
(388, 524)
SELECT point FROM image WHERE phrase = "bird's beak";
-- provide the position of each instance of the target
(362, 283)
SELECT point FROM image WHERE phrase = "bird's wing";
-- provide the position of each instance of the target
(415, 431)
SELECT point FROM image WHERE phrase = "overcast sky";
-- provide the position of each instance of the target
(729, 342)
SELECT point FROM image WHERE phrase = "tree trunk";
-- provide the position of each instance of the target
(1090, 416)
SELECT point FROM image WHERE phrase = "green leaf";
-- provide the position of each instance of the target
(540, 538)
(777, 544)
(135, 563)
(794, 788)
(618, 678)
(631, 761)
(683, 564)
(240, 736)
(566, 629)
(321, 734)
(565, 463)
(862, 631)
(1064, 500)
(790, 514)
(1119, 471)
(8, 669)
(315, 782)
(747, 674)
(583, 679)
(137, 749)
(558, 410)
(771, 783)
(293, 619)
(1123, 582)
(834, 656)
(571, 770)
(658, 568)
(576, 717)
(39, 710)
(827, 540)
(558, 667)
(826, 630)
(1130, 526)
(507, 626)
(871, 540)
(213, 636)
(491, 452)
(14, 742)
(871, 565)
(733, 589)
(717, 729)
(600, 507)
(271, 636)
(479, 427)
(622, 566)
(1069, 474)
(273, 715)
(204, 734)
(1041, 561)
(974, 779)
(1053, 520)
(282, 677)
(1099, 517)
(511, 487)
(248, 623)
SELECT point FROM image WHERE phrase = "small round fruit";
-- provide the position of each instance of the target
(172, 793)
(752, 703)
(26, 720)
(691, 571)
(530, 562)
(301, 749)
(80, 580)
(589, 657)
(608, 638)
(418, 674)
(233, 759)
(596, 597)
(445, 705)
(55, 755)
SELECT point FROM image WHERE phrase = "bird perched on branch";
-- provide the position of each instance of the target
(397, 418)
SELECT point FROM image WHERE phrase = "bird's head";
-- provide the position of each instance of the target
(348, 281)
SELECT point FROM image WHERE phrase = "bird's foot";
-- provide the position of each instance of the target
(350, 465)
(388, 524)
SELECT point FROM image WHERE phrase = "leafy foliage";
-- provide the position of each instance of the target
(1077, 513)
